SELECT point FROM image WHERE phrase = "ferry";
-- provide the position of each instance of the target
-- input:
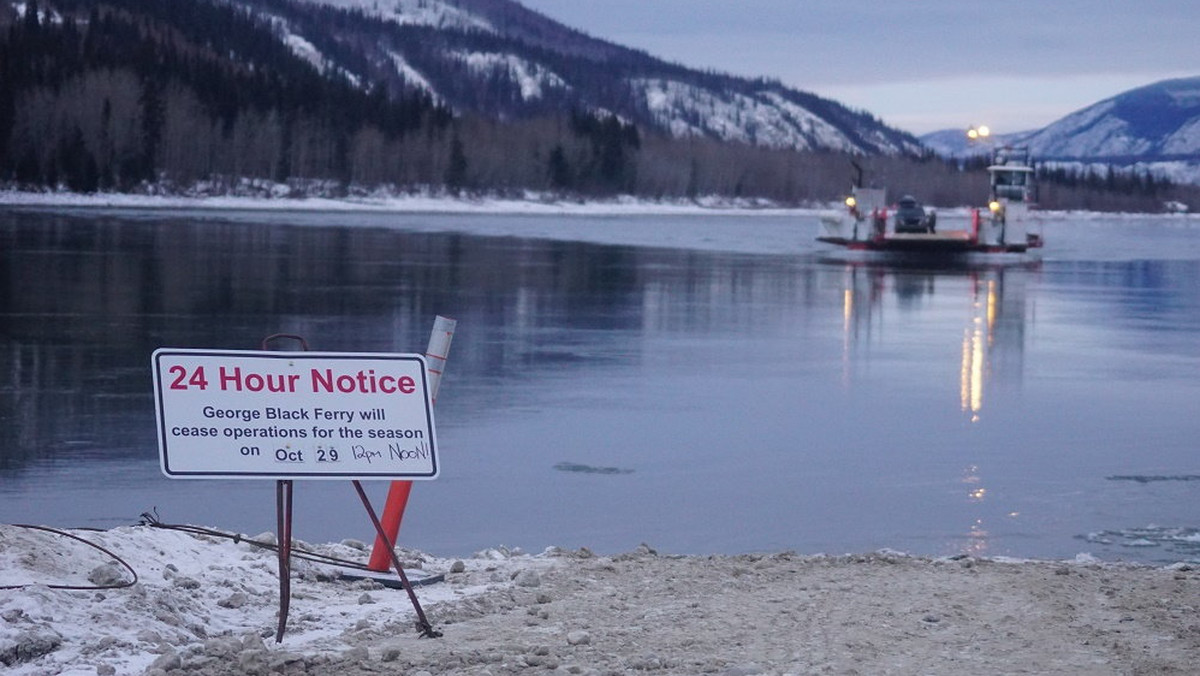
(908, 228)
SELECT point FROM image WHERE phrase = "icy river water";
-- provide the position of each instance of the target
(701, 383)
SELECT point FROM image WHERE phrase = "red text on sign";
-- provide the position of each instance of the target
(233, 379)
(365, 382)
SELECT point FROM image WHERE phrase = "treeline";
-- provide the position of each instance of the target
(142, 95)
(1099, 187)
(1110, 188)
(117, 94)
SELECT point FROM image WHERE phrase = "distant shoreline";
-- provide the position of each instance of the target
(531, 204)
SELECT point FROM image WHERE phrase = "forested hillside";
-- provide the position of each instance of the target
(273, 96)
(116, 94)
(140, 94)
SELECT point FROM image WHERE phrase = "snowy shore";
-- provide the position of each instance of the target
(207, 605)
(529, 203)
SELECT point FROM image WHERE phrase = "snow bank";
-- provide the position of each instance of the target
(207, 605)
(197, 599)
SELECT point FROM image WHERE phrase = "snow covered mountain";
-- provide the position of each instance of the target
(954, 142)
(502, 60)
(1158, 122)
(1155, 128)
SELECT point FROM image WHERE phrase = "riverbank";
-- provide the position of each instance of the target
(207, 605)
(526, 203)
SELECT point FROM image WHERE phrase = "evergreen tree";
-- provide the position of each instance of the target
(559, 169)
(153, 112)
(76, 165)
(32, 21)
(456, 170)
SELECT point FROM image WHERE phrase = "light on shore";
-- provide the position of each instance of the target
(980, 132)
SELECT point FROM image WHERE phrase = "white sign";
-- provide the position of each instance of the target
(283, 415)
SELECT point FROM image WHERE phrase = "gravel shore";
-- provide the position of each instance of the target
(208, 606)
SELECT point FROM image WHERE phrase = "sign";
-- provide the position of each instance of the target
(285, 415)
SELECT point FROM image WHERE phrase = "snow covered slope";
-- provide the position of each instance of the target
(1160, 121)
(1153, 129)
(502, 60)
(434, 13)
(1156, 123)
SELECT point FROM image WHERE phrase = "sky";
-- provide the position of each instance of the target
(919, 65)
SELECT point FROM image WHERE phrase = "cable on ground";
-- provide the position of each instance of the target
(89, 587)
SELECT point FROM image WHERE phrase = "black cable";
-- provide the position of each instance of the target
(120, 585)
(152, 520)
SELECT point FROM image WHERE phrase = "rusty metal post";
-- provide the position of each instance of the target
(283, 521)
(426, 630)
(283, 511)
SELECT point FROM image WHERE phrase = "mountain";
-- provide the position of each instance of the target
(1158, 122)
(954, 142)
(365, 97)
(502, 60)
(337, 97)
(1153, 128)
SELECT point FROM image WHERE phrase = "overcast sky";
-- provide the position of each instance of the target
(920, 65)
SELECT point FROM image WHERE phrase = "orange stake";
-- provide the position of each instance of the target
(397, 497)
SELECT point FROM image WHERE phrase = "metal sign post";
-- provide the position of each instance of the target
(283, 521)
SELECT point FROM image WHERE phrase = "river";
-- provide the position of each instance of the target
(702, 383)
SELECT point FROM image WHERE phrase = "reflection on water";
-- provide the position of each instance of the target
(85, 301)
(994, 308)
(994, 316)
(702, 401)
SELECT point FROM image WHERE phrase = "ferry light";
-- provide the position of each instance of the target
(852, 207)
